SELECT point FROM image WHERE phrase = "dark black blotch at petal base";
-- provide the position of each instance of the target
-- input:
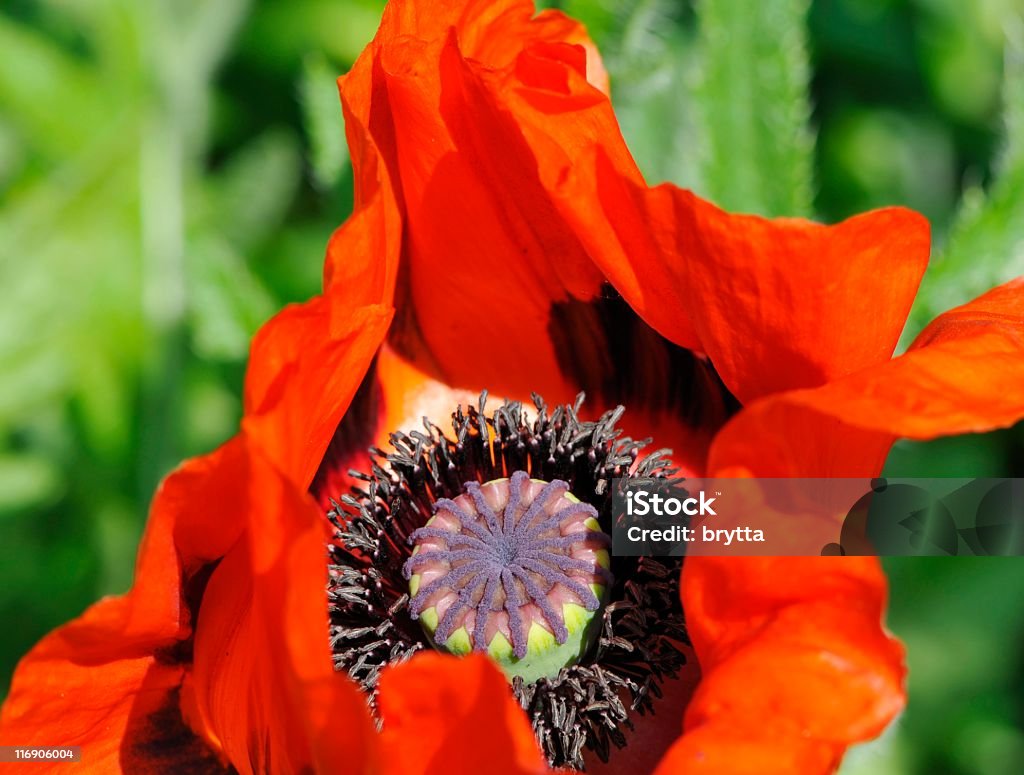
(613, 355)
(160, 742)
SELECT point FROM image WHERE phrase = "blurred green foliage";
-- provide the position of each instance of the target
(169, 174)
(170, 171)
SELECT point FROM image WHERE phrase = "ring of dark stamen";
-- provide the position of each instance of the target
(587, 705)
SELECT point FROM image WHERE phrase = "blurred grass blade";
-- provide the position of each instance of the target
(227, 301)
(754, 106)
(253, 193)
(1013, 98)
(323, 121)
(986, 244)
(647, 47)
(211, 31)
(285, 30)
(41, 86)
(27, 481)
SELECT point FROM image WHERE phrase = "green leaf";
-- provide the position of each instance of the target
(753, 106)
(47, 93)
(227, 303)
(986, 244)
(252, 194)
(323, 120)
(27, 481)
(286, 30)
(211, 32)
(117, 533)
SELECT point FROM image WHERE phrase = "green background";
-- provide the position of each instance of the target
(170, 172)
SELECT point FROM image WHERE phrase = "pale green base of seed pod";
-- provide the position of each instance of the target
(544, 655)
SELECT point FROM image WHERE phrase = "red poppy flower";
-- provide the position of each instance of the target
(503, 239)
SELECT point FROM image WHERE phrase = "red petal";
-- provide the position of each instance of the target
(794, 660)
(776, 304)
(306, 365)
(108, 709)
(1001, 309)
(361, 266)
(485, 253)
(964, 374)
(264, 683)
(444, 714)
(786, 303)
(723, 748)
